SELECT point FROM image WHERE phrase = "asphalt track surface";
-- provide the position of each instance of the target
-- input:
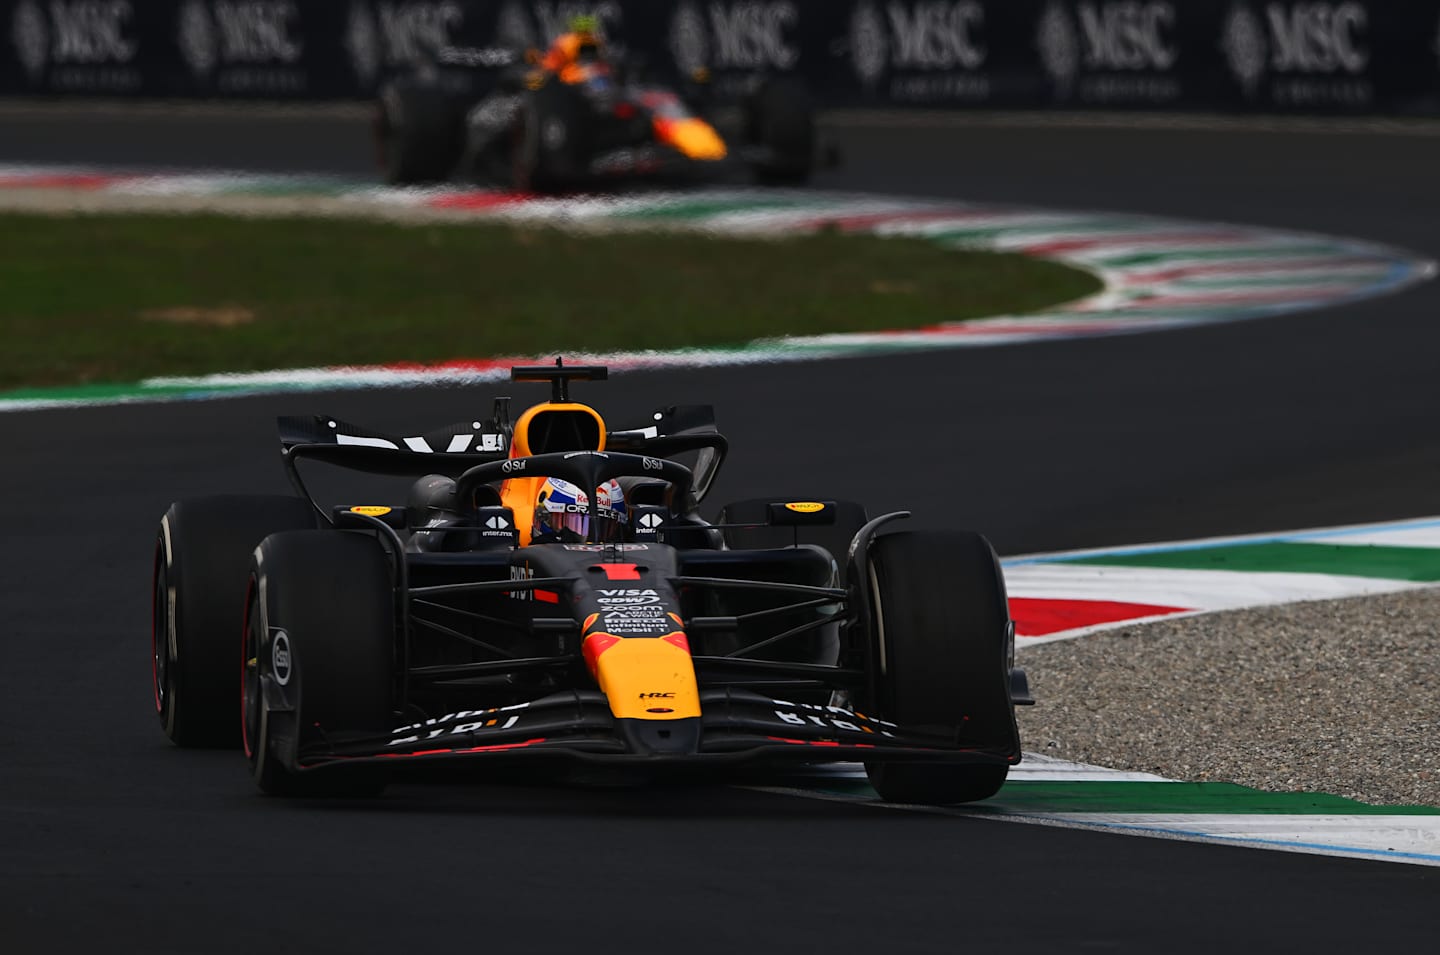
(109, 837)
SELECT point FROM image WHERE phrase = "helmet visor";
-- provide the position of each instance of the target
(572, 524)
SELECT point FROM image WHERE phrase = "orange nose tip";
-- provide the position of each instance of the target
(695, 138)
(643, 677)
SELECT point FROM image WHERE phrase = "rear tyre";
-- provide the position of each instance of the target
(547, 149)
(417, 135)
(317, 659)
(197, 600)
(943, 646)
(782, 119)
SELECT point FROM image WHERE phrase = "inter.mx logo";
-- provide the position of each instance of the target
(1324, 38)
(72, 32)
(911, 35)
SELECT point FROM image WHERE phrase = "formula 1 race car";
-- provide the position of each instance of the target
(548, 594)
(496, 117)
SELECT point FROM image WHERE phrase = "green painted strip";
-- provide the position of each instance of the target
(1179, 797)
(1277, 252)
(300, 188)
(1387, 563)
(961, 236)
(1168, 798)
(1307, 279)
(96, 392)
(702, 207)
(1189, 314)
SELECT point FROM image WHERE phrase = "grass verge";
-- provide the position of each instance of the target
(117, 298)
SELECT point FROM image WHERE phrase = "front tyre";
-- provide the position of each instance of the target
(549, 141)
(317, 660)
(781, 120)
(943, 646)
(417, 134)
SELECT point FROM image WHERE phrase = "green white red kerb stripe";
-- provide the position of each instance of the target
(1060, 596)
(1157, 273)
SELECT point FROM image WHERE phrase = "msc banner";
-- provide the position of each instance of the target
(1316, 55)
(1353, 56)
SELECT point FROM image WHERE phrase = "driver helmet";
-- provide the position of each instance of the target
(587, 32)
(562, 513)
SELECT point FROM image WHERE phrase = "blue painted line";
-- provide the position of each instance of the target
(1191, 835)
(1172, 548)
(1367, 529)
(998, 813)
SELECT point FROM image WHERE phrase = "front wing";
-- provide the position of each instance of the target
(654, 161)
(737, 726)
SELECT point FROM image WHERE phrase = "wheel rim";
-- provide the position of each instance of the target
(160, 632)
(879, 612)
(250, 696)
(381, 131)
(521, 161)
(386, 140)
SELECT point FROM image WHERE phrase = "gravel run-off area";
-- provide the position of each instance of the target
(1334, 696)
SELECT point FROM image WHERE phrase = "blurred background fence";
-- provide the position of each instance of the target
(1281, 56)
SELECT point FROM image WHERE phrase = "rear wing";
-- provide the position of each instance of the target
(450, 450)
(674, 430)
(455, 448)
(458, 446)
(479, 57)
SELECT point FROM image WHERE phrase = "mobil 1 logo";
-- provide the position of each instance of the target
(633, 611)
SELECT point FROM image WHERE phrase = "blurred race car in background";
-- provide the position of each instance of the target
(500, 117)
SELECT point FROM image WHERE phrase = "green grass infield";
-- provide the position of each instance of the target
(118, 298)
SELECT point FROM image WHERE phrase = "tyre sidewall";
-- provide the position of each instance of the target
(417, 134)
(330, 594)
(197, 604)
(783, 121)
(539, 166)
(941, 641)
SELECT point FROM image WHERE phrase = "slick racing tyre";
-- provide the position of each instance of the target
(547, 147)
(781, 119)
(417, 135)
(317, 659)
(942, 641)
(198, 597)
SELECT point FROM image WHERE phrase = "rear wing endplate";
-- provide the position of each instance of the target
(676, 429)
